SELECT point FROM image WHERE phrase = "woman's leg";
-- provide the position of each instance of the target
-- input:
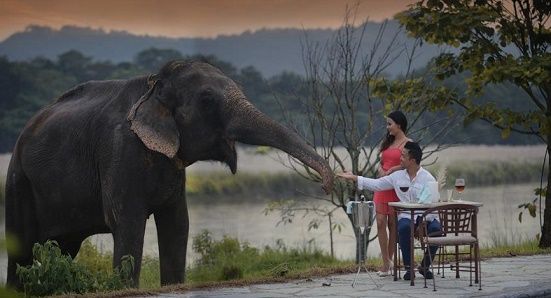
(383, 239)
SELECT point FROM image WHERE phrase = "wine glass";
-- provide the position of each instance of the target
(404, 188)
(459, 186)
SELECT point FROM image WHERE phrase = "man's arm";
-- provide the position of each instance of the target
(383, 183)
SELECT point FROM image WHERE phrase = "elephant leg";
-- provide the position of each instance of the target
(128, 240)
(172, 233)
(21, 225)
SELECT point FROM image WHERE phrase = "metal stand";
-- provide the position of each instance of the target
(363, 253)
(363, 215)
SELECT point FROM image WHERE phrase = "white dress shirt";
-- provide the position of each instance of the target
(400, 179)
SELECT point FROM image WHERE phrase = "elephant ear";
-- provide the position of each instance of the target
(154, 124)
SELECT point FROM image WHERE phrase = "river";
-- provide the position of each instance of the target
(498, 219)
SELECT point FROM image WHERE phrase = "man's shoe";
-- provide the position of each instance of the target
(407, 276)
(425, 272)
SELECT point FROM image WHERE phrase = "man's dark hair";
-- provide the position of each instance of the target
(414, 151)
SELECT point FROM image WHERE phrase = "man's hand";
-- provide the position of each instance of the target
(348, 176)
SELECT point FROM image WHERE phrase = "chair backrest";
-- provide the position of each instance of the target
(454, 219)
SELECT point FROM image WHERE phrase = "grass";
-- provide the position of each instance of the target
(225, 262)
(520, 248)
(98, 262)
(228, 259)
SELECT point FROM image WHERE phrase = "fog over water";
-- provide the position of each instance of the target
(247, 222)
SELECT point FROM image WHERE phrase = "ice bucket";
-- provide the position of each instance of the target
(363, 214)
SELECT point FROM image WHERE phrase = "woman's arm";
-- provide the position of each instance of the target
(393, 169)
(381, 172)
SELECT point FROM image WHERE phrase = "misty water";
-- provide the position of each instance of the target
(498, 219)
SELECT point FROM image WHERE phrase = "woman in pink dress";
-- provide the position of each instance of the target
(391, 150)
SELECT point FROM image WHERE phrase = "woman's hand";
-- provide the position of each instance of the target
(348, 176)
(392, 170)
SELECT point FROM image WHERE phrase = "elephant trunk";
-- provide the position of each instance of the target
(250, 126)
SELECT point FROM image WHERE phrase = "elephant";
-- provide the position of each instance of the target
(106, 155)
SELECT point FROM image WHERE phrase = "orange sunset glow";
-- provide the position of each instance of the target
(188, 18)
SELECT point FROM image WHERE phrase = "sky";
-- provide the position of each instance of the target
(188, 18)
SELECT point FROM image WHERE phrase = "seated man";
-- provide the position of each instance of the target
(407, 184)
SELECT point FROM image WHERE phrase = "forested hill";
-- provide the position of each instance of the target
(271, 51)
(39, 64)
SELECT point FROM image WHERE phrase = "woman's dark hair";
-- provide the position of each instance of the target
(400, 119)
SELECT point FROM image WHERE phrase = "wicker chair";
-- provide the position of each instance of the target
(458, 222)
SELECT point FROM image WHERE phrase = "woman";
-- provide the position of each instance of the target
(390, 151)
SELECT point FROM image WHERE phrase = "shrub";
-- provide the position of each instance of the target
(231, 272)
(53, 273)
(203, 245)
(91, 258)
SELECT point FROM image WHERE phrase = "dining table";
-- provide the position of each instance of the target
(417, 208)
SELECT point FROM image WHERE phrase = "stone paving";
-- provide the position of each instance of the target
(525, 276)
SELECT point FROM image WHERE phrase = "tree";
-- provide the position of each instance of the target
(495, 42)
(74, 63)
(27, 87)
(226, 67)
(152, 59)
(343, 117)
(252, 82)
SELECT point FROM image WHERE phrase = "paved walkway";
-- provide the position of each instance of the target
(528, 276)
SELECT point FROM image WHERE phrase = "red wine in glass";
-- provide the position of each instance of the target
(404, 188)
(460, 185)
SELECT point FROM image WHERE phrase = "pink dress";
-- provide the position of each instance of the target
(390, 158)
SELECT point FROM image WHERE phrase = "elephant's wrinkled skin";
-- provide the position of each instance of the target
(107, 154)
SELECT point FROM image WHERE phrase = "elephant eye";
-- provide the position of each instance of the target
(208, 102)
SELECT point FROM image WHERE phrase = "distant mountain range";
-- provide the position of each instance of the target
(271, 51)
